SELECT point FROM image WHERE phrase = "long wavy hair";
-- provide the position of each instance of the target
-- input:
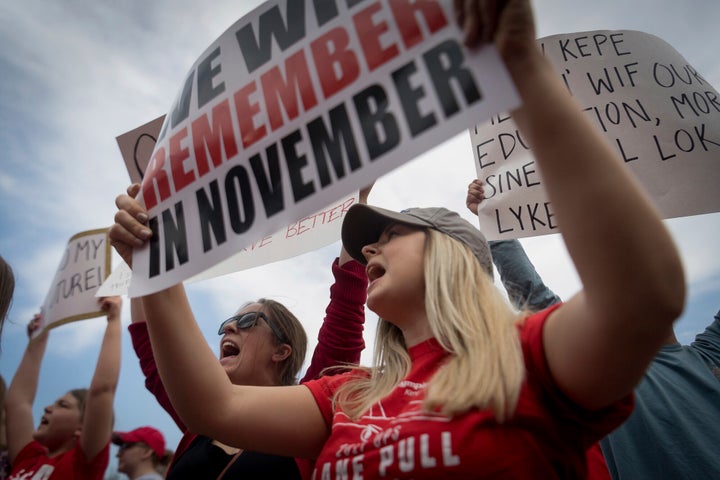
(471, 320)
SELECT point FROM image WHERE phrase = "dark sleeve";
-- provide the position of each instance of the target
(708, 342)
(525, 288)
(143, 350)
(340, 339)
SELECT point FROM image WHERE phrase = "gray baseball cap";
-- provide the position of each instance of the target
(363, 225)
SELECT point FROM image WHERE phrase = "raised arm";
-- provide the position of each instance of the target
(523, 284)
(22, 390)
(278, 420)
(599, 343)
(98, 418)
(340, 339)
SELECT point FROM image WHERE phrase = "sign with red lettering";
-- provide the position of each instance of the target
(83, 268)
(658, 113)
(307, 234)
(296, 105)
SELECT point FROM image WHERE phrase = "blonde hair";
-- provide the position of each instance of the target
(471, 320)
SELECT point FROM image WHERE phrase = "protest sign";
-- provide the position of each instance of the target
(307, 234)
(117, 283)
(295, 105)
(137, 145)
(658, 113)
(83, 267)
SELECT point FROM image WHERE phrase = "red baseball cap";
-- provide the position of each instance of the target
(147, 435)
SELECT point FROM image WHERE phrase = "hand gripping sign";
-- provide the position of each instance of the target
(658, 113)
(294, 107)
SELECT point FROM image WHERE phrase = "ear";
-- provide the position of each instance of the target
(281, 353)
(147, 452)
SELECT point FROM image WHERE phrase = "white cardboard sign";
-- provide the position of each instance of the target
(658, 113)
(291, 109)
(83, 268)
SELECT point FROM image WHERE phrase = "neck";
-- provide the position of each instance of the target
(54, 452)
(140, 470)
(416, 332)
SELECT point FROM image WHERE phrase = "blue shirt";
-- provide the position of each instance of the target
(674, 432)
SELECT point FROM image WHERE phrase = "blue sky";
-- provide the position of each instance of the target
(76, 74)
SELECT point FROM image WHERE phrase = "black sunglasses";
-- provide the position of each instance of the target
(125, 446)
(249, 320)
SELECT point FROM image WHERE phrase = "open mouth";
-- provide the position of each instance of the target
(374, 272)
(228, 349)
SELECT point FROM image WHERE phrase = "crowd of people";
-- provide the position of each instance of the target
(463, 383)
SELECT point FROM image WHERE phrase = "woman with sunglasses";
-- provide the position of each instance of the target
(263, 344)
(463, 386)
(142, 454)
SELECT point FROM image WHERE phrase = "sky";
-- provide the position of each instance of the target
(75, 74)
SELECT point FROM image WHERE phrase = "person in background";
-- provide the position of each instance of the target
(461, 386)
(72, 440)
(263, 343)
(7, 288)
(673, 431)
(163, 467)
(142, 454)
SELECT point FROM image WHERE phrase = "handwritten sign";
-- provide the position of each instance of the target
(295, 106)
(83, 268)
(658, 113)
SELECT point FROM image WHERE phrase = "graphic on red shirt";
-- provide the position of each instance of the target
(546, 438)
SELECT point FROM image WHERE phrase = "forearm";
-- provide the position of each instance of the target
(107, 369)
(188, 369)
(21, 394)
(523, 284)
(608, 222)
(24, 384)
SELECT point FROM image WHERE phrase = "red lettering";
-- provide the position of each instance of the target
(345, 206)
(178, 154)
(334, 213)
(337, 66)
(156, 176)
(375, 54)
(207, 140)
(274, 88)
(265, 241)
(246, 111)
(405, 14)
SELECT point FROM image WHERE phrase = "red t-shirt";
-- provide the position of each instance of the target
(546, 438)
(32, 463)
